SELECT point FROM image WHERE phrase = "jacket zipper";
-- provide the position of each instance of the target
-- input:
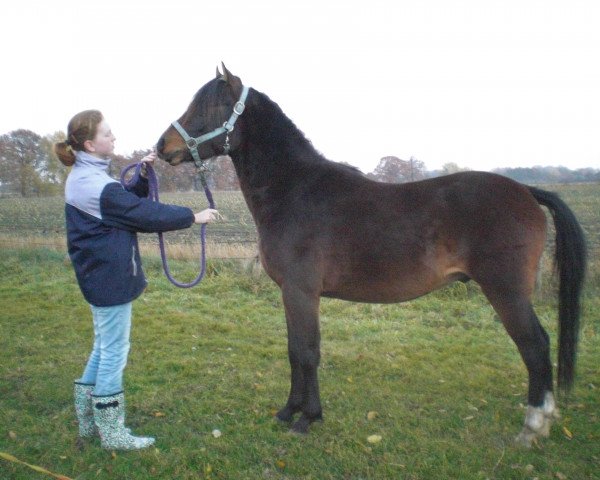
(133, 262)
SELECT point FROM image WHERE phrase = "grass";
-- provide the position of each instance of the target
(437, 379)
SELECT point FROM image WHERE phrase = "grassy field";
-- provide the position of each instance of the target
(39, 222)
(437, 381)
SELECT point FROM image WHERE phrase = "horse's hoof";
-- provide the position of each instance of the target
(526, 438)
(303, 423)
(538, 421)
(300, 427)
(284, 415)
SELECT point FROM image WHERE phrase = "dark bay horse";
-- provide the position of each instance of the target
(325, 230)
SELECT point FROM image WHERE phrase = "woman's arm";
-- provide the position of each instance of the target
(125, 210)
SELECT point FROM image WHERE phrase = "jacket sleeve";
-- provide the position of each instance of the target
(140, 188)
(127, 211)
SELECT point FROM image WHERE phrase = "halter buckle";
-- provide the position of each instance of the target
(239, 108)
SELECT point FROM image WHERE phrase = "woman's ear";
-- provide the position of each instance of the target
(89, 146)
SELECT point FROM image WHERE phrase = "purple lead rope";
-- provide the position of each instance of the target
(153, 195)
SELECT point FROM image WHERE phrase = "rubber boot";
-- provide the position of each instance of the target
(109, 415)
(84, 411)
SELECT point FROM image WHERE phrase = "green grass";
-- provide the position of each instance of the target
(444, 379)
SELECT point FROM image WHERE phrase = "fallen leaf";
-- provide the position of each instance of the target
(158, 414)
(568, 433)
(372, 415)
(216, 433)
(280, 464)
(12, 435)
(374, 438)
(560, 476)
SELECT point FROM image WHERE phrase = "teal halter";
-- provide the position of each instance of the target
(227, 128)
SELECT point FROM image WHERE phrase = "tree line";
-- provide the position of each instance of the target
(29, 167)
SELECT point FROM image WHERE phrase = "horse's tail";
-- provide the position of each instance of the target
(570, 262)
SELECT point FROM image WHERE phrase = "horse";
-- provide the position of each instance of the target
(326, 230)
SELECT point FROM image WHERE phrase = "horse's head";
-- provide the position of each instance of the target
(205, 129)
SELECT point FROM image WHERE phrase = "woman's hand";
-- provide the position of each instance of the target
(206, 216)
(147, 160)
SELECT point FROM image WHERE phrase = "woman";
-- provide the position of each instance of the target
(102, 220)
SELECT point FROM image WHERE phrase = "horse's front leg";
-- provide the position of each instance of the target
(302, 317)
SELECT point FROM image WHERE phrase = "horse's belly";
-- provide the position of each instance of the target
(388, 291)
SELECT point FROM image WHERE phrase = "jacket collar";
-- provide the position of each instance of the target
(84, 159)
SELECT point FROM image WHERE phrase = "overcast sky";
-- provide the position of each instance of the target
(485, 84)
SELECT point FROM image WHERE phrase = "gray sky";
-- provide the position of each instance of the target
(482, 83)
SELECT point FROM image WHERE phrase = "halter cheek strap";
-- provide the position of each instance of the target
(194, 143)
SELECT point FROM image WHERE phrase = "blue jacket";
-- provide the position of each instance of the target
(102, 220)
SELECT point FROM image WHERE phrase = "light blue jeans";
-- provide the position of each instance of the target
(107, 361)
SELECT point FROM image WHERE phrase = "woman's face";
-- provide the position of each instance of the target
(103, 143)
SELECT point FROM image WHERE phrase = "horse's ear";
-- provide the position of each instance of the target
(219, 74)
(226, 73)
(229, 77)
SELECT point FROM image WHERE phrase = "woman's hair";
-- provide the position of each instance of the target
(82, 127)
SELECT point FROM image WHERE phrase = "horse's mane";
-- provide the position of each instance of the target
(270, 126)
(275, 124)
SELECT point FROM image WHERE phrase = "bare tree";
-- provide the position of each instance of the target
(223, 175)
(394, 170)
(452, 167)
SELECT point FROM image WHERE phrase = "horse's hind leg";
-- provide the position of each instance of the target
(302, 317)
(523, 326)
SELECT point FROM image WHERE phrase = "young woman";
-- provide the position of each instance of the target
(102, 220)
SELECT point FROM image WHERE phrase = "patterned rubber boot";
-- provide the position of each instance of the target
(109, 415)
(84, 411)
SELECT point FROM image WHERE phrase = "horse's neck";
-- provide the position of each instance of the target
(275, 157)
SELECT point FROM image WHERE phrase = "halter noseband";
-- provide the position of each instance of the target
(194, 143)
